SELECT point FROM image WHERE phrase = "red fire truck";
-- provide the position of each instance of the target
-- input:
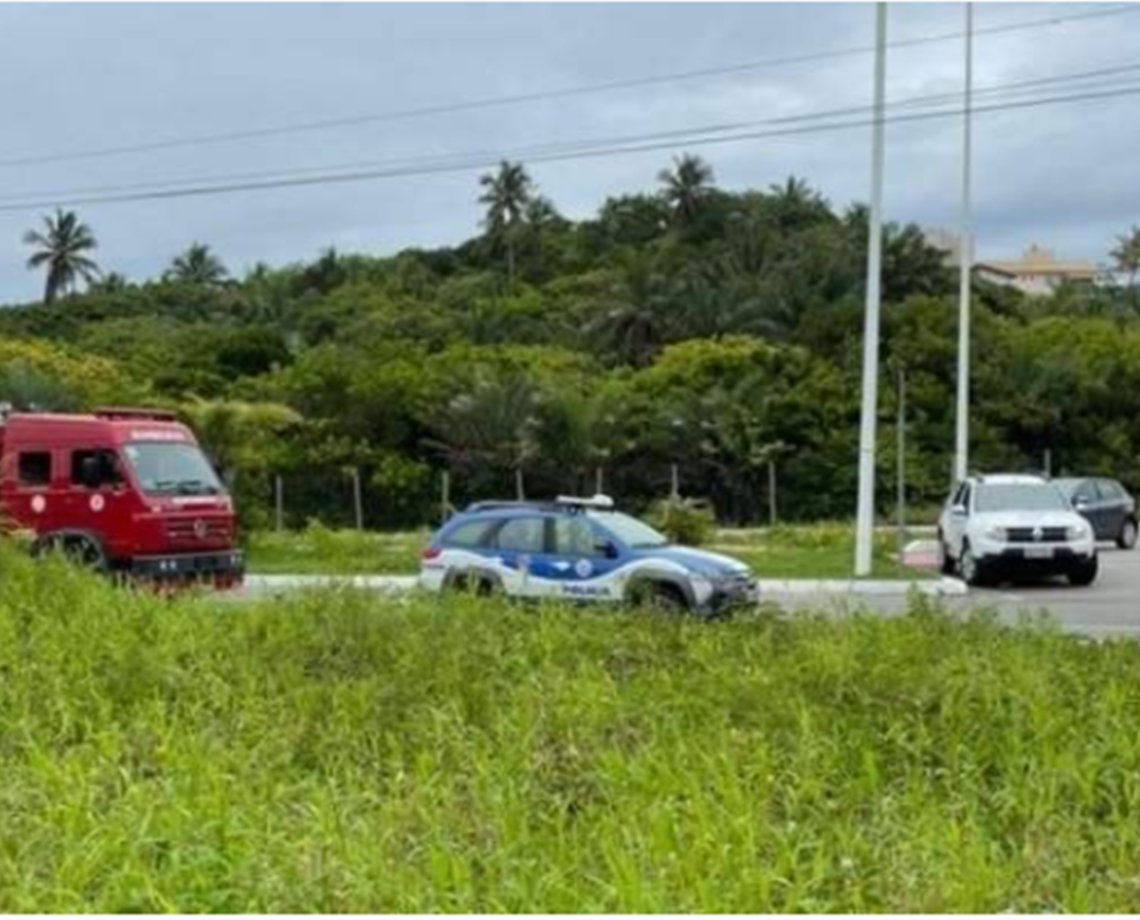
(122, 490)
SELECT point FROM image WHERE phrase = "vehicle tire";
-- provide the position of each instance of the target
(946, 565)
(1084, 574)
(660, 596)
(77, 548)
(971, 569)
(1126, 539)
(488, 587)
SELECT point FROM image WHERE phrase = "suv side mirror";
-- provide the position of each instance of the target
(91, 472)
(607, 549)
(1080, 503)
(958, 510)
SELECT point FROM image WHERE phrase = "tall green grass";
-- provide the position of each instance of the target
(339, 752)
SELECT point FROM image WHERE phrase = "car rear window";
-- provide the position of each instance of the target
(524, 535)
(472, 533)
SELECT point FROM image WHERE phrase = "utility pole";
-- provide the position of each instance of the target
(900, 429)
(965, 259)
(864, 519)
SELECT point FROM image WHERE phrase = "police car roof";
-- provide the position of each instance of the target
(561, 503)
(1011, 479)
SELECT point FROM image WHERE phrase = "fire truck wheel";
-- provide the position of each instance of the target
(77, 548)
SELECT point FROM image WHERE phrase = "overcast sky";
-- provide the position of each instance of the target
(85, 77)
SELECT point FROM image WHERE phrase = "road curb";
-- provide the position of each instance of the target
(943, 587)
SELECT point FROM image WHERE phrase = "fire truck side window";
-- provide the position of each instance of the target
(105, 464)
(35, 468)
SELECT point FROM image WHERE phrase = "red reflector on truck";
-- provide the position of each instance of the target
(429, 552)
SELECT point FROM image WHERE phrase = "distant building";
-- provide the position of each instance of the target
(1036, 272)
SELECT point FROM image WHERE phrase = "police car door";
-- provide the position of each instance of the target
(516, 547)
(578, 565)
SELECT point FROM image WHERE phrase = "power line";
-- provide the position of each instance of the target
(691, 136)
(413, 170)
(568, 92)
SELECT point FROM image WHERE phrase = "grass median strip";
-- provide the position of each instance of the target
(339, 752)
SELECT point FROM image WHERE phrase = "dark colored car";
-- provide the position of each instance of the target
(1105, 504)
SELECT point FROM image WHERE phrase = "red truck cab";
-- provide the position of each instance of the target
(123, 490)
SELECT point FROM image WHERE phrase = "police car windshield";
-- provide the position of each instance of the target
(165, 468)
(632, 532)
(1020, 496)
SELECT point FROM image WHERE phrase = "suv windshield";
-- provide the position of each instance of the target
(1020, 496)
(166, 468)
(632, 532)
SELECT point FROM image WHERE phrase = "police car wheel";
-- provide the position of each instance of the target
(661, 597)
(486, 587)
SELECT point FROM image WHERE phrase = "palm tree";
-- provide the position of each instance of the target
(687, 186)
(796, 205)
(62, 245)
(635, 311)
(197, 265)
(507, 194)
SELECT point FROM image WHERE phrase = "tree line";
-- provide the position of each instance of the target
(719, 331)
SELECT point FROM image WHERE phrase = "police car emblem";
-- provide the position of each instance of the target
(583, 568)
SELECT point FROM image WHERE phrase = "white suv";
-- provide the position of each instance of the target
(1006, 525)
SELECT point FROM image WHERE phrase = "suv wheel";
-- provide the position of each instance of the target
(970, 567)
(946, 561)
(1127, 537)
(1084, 574)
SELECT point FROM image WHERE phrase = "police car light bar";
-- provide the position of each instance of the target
(597, 501)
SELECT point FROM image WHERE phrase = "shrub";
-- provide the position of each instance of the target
(683, 520)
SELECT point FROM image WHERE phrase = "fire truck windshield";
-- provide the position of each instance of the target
(171, 468)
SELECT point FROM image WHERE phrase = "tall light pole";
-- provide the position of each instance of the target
(865, 515)
(965, 259)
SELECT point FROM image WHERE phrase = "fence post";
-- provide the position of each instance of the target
(357, 499)
(598, 483)
(279, 502)
(675, 485)
(445, 497)
(520, 493)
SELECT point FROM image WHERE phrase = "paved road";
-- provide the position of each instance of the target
(1109, 607)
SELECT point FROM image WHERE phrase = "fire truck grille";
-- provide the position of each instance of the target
(197, 530)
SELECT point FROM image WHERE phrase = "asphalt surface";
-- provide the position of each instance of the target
(1107, 608)
(1110, 607)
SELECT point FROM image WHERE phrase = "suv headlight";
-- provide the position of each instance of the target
(994, 532)
(1077, 531)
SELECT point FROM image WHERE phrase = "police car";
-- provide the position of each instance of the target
(578, 549)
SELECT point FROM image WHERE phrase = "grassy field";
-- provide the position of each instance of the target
(337, 752)
(815, 551)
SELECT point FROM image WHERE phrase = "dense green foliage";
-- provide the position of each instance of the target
(339, 752)
(718, 331)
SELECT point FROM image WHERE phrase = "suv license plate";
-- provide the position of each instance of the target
(1038, 552)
